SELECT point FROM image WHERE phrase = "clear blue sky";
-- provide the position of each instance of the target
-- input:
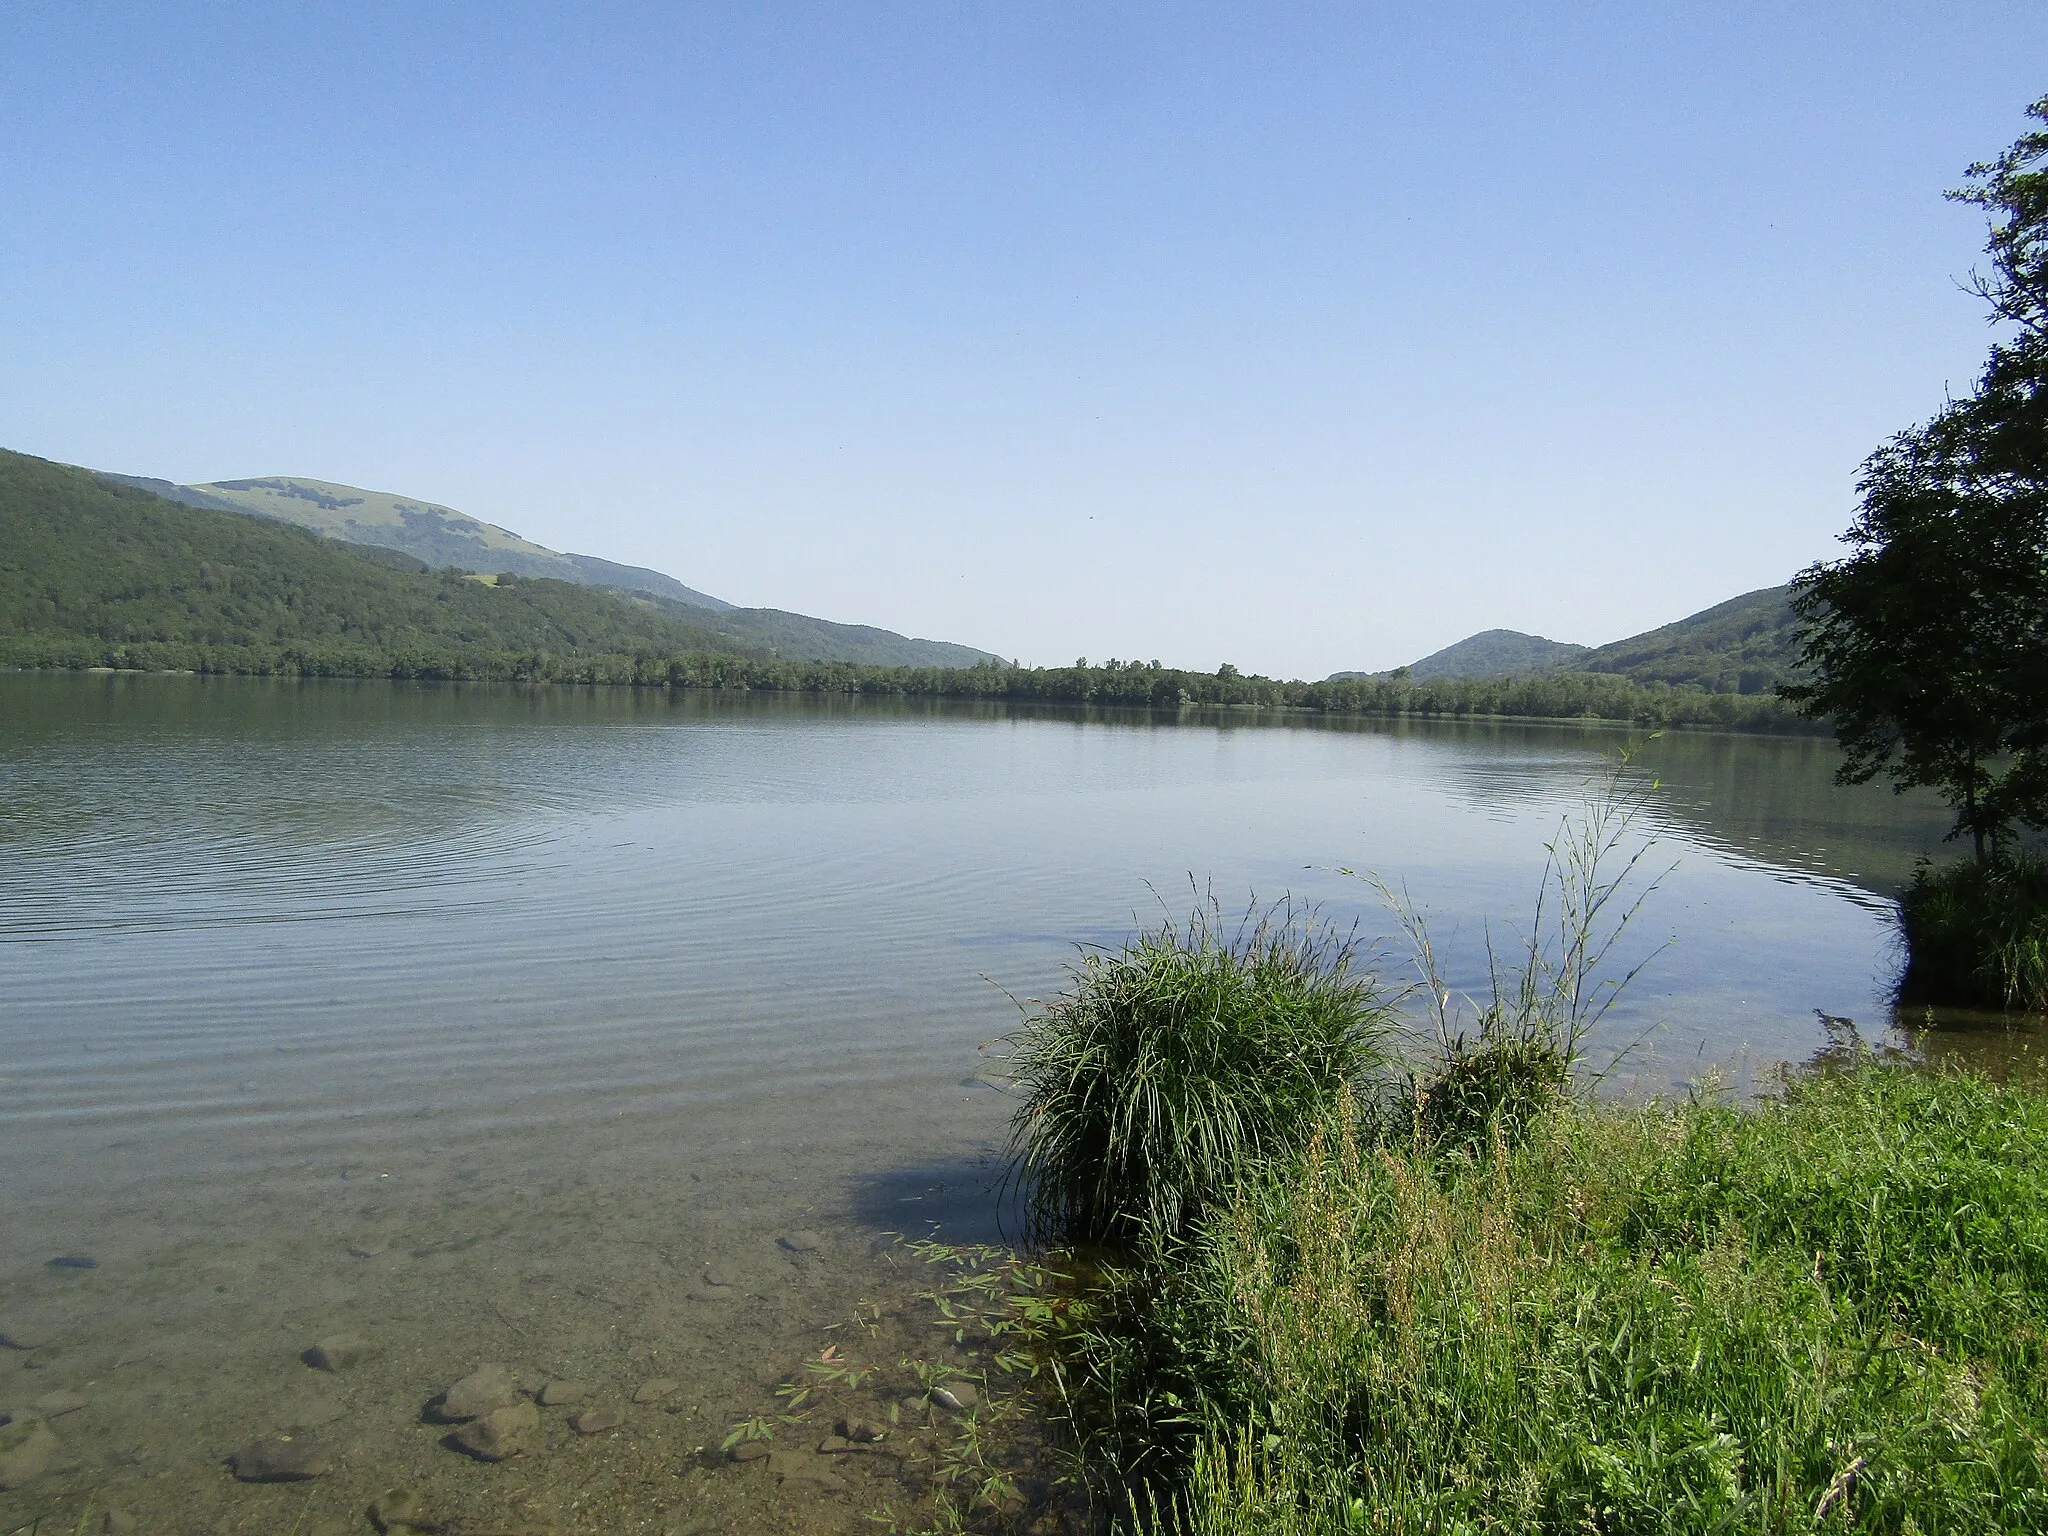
(1297, 336)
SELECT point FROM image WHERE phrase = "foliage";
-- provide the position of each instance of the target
(1180, 1063)
(1828, 1312)
(1978, 932)
(1929, 643)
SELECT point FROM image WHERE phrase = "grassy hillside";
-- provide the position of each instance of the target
(436, 534)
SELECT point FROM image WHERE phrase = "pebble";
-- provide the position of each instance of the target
(802, 1467)
(501, 1433)
(483, 1390)
(73, 1261)
(398, 1510)
(655, 1390)
(279, 1460)
(595, 1421)
(26, 1451)
(559, 1394)
(749, 1450)
(338, 1351)
(960, 1395)
(801, 1242)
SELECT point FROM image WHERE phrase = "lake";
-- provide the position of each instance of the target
(610, 1035)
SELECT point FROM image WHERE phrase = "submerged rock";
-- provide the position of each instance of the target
(861, 1432)
(501, 1433)
(56, 1404)
(655, 1389)
(117, 1521)
(801, 1242)
(483, 1390)
(560, 1394)
(398, 1512)
(749, 1450)
(338, 1351)
(596, 1420)
(279, 1460)
(28, 1449)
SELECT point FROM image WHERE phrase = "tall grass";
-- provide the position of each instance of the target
(1826, 1313)
(1176, 1064)
(1978, 933)
(1496, 1061)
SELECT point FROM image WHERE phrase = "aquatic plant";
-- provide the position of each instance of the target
(1180, 1062)
(1977, 932)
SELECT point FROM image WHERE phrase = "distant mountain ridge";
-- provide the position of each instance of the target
(441, 536)
(1749, 644)
(438, 538)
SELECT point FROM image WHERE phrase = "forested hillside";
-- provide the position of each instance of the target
(1746, 645)
(96, 573)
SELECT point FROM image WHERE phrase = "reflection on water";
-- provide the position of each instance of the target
(488, 1020)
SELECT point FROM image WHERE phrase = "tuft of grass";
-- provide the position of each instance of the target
(1183, 1061)
(1825, 1313)
(1977, 932)
(1495, 1063)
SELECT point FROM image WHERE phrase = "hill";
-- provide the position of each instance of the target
(1748, 644)
(435, 534)
(94, 572)
(1490, 653)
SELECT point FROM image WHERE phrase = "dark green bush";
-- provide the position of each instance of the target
(1978, 933)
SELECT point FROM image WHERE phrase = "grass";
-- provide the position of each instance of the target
(1978, 933)
(1472, 1300)
(1181, 1060)
(1826, 1313)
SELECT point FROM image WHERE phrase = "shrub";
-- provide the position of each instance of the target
(1977, 932)
(1181, 1062)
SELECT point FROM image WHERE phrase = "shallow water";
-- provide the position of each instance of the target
(482, 1021)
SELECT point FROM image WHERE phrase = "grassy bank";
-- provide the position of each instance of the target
(1824, 1313)
(1434, 1286)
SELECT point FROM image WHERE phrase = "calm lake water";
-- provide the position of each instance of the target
(499, 1024)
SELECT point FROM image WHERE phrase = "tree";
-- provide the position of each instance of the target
(1928, 645)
